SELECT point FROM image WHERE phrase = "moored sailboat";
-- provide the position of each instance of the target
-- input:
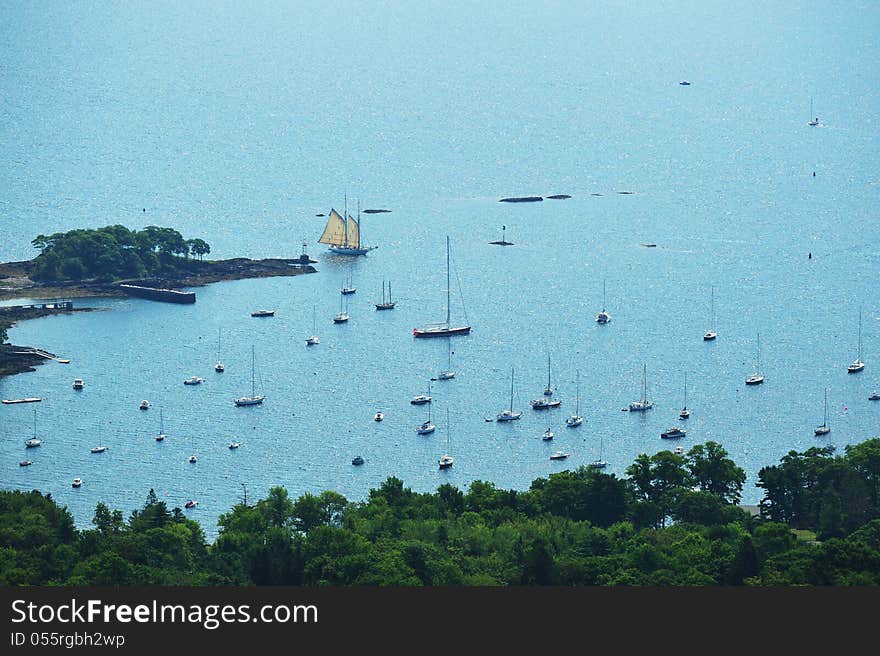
(443, 328)
(858, 365)
(642, 404)
(575, 419)
(254, 398)
(603, 316)
(710, 334)
(389, 304)
(756, 378)
(824, 429)
(509, 414)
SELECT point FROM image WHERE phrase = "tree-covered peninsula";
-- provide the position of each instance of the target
(673, 520)
(114, 252)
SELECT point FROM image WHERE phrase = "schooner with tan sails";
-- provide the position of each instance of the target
(343, 235)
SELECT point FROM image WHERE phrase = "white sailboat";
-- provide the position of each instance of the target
(348, 287)
(342, 317)
(756, 378)
(548, 391)
(600, 463)
(642, 404)
(509, 414)
(576, 419)
(193, 458)
(343, 235)
(443, 328)
(446, 460)
(858, 365)
(34, 441)
(219, 367)
(426, 427)
(685, 413)
(313, 339)
(161, 436)
(603, 316)
(548, 434)
(254, 398)
(389, 304)
(447, 373)
(711, 334)
(814, 120)
(824, 429)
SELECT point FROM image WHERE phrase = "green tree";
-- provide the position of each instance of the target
(714, 472)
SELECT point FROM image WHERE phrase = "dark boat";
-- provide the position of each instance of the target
(190, 504)
(156, 294)
(357, 460)
(522, 199)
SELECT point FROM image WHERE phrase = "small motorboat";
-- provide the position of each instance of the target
(99, 449)
(357, 460)
(160, 437)
(25, 463)
(874, 397)
(145, 405)
(234, 445)
(263, 313)
(598, 464)
(445, 462)
(190, 504)
(420, 399)
(685, 83)
(574, 420)
(78, 383)
(193, 458)
(312, 340)
(675, 431)
(194, 380)
(559, 455)
(755, 379)
(378, 416)
(544, 404)
(77, 482)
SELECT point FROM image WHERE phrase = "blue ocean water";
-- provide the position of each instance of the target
(240, 124)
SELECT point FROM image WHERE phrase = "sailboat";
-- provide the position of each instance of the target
(389, 304)
(858, 365)
(603, 316)
(447, 373)
(426, 427)
(548, 434)
(193, 458)
(348, 288)
(756, 378)
(814, 121)
(576, 419)
(161, 436)
(548, 391)
(219, 367)
(824, 429)
(342, 317)
(34, 441)
(685, 413)
(313, 339)
(642, 404)
(711, 334)
(446, 460)
(443, 328)
(509, 414)
(343, 235)
(254, 398)
(600, 463)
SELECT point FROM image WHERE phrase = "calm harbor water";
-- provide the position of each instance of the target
(239, 126)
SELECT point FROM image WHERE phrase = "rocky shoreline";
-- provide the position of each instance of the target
(15, 282)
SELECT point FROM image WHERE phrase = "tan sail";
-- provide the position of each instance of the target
(354, 236)
(334, 232)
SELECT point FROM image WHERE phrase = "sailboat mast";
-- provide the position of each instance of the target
(511, 390)
(577, 402)
(253, 365)
(548, 371)
(644, 383)
(358, 244)
(448, 284)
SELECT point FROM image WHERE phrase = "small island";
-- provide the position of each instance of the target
(114, 261)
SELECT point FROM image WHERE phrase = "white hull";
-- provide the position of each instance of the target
(249, 400)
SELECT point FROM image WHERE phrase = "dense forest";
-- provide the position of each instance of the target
(113, 252)
(673, 520)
